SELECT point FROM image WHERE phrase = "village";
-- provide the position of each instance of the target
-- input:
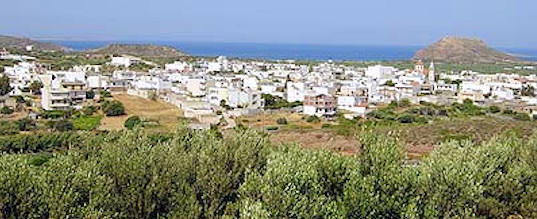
(212, 90)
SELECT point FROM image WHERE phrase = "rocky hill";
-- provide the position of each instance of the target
(21, 43)
(141, 50)
(462, 50)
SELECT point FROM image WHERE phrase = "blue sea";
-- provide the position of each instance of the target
(288, 51)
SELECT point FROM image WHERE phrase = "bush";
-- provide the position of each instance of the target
(313, 119)
(8, 128)
(494, 109)
(90, 95)
(326, 126)
(26, 124)
(89, 110)
(132, 122)
(521, 116)
(6, 110)
(113, 108)
(105, 93)
(63, 125)
(272, 128)
(281, 121)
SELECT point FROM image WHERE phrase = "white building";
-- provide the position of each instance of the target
(125, 61)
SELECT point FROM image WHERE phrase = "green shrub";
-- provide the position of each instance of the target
(26, 124)
(281, 121)
(6, 110)
(326, 126)
(494, 109)
(313, 119)
(63, 125)
(132, 122)
(89, 110)
(113, 108)
(521, 116)
(8, 128)
(272, 128)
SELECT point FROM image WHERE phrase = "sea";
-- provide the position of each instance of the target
(272, 51)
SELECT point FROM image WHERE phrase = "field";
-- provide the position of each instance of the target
(166, 115)
(419, 139)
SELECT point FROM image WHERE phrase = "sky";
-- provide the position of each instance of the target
(501, 23)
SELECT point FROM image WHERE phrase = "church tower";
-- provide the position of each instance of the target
(431, 73)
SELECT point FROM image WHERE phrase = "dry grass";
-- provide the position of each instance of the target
(293, 119)
(166, 114)
(317, 139)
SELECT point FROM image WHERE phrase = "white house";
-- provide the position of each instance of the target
(295, 91)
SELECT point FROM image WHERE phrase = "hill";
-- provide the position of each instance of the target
(462, 50)
(142, 50)
(21, 43)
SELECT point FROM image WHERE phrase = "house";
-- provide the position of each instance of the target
(63, 90)
(321, 105)
(295, 91)
(196, 87)
(355, 104)
(125, 61)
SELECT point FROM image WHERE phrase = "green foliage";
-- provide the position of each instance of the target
(494, 109)
(89, 110)
(113, 108)
(87, 123)
(276, 102)
(132, 122)
(281, 121)
(35, 87)
(313, 119)
(192, 174)
(90, 95)
(6, 110)
(26, 124)
(8, 128)
(5, 86)
(521, 116)
(54, 114)
(62, 125)
(272, 128)
(105, 93)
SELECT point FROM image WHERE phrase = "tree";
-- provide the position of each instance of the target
(113, 108)
(132, 122)
(35, 87)
(5, 86)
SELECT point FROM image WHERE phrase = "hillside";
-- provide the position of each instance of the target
(142, 50)
(462, 50)
(21, 43)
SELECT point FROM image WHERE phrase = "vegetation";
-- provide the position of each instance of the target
(87, 123)
(113, 108)
(35, 87)
(6, 110)
(186, 174)
(5, 87)
(313, 119)
(281, 121)
(132, 122)
(275, 102)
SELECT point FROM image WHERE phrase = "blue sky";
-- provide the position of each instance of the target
(504, 23)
